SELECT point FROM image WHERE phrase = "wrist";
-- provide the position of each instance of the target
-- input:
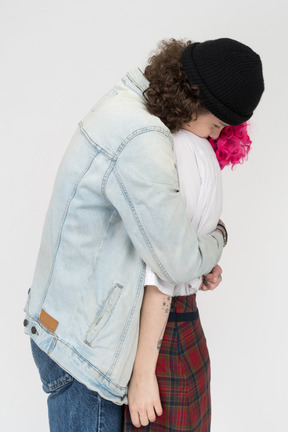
(143, 372)
(145, 365)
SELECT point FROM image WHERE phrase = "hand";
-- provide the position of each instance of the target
(212, 280)
(144, 399)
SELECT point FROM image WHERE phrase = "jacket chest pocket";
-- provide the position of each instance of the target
(104, 314)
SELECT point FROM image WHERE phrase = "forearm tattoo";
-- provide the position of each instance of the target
(166, 304)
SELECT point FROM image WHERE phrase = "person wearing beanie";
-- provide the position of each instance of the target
(123, 250)
(226, 77)
(229, 76)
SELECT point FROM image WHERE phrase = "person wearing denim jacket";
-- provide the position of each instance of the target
(115, 206)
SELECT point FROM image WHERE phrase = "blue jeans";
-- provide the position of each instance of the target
(71, 406)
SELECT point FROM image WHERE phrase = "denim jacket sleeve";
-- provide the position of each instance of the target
(143, 186)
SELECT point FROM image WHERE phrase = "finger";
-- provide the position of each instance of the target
(143, 418)
(135, 418)
(217, 270)
(213, 278)
(219, 279)
(158, 408)
(212, 286)
(209, 288)
(151, 414)
(210, 278)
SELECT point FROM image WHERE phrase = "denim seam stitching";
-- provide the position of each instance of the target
(124, 143)
(127, 324)
(94, 144)
(136, 83)
(140, 227)
(92, 333)
(104, 376)
(105, 178)
(58, 241)
(99, 413)
(60, 383)
(142, 131)
(132, 88)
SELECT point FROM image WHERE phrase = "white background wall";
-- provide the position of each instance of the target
(57, 58)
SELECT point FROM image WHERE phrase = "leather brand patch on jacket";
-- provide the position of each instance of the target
(48, 321)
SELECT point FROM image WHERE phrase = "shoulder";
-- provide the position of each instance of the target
(188, 139)
(186, 142)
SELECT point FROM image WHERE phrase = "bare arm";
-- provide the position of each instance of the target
(143, 394)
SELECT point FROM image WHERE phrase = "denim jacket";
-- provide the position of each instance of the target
(115, 206)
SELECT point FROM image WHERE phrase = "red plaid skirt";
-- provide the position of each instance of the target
(183, 373)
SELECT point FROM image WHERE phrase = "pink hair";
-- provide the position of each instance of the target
(232, 146)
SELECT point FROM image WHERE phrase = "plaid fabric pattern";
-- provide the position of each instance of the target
(183, 373)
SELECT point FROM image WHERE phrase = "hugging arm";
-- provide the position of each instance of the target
(143, 186)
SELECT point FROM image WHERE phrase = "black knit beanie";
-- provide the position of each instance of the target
(229, 75)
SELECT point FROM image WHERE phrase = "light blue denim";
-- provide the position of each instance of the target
(71, 406)
(115, 206)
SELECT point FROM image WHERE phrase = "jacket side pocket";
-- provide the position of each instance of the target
(104, 314)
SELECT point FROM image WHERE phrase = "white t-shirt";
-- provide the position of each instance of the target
(201, 187)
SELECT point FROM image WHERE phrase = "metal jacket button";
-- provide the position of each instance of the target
(33, 330)
(25, 322)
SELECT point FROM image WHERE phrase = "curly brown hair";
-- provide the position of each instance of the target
(169, 95)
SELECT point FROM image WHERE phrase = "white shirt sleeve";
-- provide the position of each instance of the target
(152, 279)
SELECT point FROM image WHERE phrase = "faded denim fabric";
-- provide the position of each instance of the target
(71, 406)
(115, 206)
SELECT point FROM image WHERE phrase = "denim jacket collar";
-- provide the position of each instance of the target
(138, 81)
